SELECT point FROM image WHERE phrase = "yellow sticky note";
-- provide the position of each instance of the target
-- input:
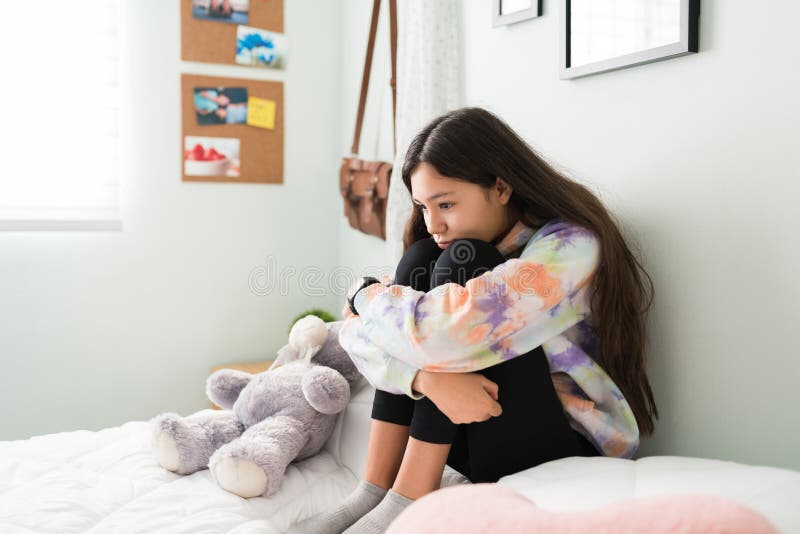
(261, 112)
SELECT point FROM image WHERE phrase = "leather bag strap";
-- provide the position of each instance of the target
(362, 100)
(393, 81)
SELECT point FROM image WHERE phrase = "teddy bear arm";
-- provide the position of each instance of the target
(326, 390)
(223, 386)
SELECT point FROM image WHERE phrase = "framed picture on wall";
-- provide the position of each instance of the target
(605, 35)
(506, 12)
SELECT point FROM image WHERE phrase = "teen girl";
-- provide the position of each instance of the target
(513, 333)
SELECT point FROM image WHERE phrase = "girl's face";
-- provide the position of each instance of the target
(456, 209)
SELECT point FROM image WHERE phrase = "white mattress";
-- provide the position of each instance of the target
(108, 481)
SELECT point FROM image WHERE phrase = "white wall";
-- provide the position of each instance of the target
(698, 156)
(97, 328)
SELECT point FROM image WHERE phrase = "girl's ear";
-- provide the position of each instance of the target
(504, 190)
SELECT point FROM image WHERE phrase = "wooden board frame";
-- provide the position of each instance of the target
(209, 41)
(261, 150)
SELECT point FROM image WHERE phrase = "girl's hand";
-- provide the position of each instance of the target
(463, 397)
(346, 311)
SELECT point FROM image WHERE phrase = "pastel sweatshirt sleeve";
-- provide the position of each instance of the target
(594, 403)
(497, 316)
(379, 368)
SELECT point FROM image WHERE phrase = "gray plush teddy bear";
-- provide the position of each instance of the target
(270, 419)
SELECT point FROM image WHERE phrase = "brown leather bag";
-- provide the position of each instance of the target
(364, 185)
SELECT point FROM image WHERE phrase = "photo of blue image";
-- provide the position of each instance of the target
(260, 48)
(232, 11)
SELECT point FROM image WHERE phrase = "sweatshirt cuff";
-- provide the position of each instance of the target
(405, 377)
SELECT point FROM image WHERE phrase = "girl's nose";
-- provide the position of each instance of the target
(435, 225)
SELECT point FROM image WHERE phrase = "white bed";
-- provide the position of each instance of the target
(108, 481)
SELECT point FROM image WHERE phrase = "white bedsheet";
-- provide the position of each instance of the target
(108, 482)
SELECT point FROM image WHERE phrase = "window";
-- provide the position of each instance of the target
(59, 153)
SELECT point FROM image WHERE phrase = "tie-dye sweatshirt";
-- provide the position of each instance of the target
(539, 296)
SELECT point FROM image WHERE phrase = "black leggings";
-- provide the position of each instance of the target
(533, 427)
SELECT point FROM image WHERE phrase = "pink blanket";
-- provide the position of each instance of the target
(491, 508)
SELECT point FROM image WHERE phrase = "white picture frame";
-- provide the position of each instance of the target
(505, 12)
(639, 32)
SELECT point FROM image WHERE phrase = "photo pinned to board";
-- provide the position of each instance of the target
(260, 48)
(231, 11)
(211, 156)
(220, 105)
(261, 113)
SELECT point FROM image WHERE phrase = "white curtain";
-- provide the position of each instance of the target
(428, 78)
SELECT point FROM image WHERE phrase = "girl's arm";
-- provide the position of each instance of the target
(462, 397)
(379, 368)
(499, 315)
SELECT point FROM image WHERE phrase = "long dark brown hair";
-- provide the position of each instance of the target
(474, 145)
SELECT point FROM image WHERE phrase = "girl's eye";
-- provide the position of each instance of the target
(443, 205)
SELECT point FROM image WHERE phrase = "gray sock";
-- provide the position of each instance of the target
(364, 498)
(378, 520)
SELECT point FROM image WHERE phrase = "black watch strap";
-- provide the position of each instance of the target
(368, 281)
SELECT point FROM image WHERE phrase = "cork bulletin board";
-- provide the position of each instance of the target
(260, 150)
(213, 42)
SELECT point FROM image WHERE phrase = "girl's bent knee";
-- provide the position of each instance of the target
(465, 259)
(473, 252)
(422, 249)
(415, 267)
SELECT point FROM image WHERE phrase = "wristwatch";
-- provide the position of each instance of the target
(367, 281)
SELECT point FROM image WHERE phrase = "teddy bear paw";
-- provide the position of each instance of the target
(241, 477)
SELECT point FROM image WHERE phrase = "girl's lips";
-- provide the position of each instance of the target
(443, 245)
